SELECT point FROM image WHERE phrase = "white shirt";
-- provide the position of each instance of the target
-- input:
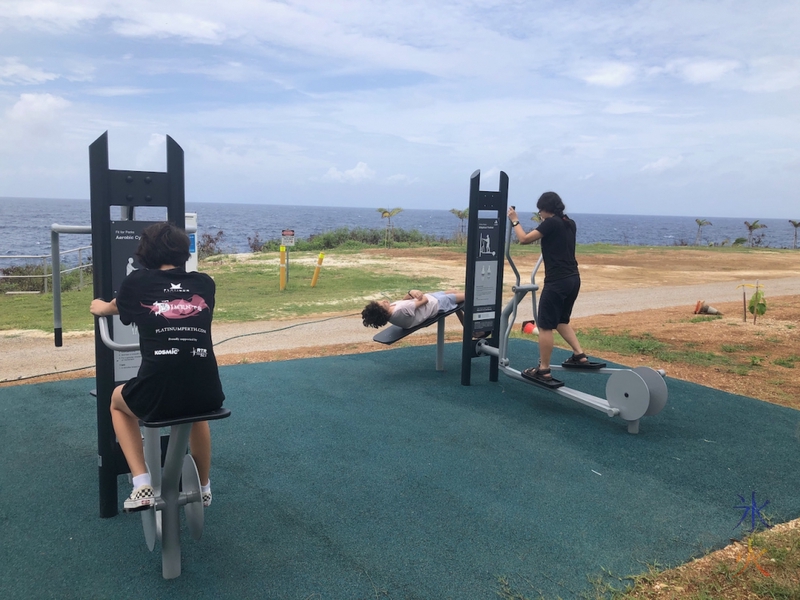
(406, 316)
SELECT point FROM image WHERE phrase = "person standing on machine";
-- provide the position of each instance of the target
(562, 282)
(178, 376)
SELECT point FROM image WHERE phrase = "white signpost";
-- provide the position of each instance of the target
(287, 237)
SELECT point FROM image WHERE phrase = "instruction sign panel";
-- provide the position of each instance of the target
(125, 236)
(488, 255)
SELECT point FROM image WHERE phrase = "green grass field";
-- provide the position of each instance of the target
(246, 291)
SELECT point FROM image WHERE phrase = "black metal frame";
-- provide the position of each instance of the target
(483, 201)
(126, 189)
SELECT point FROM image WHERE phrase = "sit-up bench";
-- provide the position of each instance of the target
(393, 333)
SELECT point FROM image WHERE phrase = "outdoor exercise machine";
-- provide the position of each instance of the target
(630, 393)
(117, 355)
(393, 333)
(176, 484)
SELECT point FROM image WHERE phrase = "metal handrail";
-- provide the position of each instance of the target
(82, 265)
(105, 335)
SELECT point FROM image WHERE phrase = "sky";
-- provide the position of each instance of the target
(673, 107)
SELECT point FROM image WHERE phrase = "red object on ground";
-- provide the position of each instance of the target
(529, 328)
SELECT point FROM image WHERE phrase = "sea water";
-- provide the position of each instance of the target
(25, 225)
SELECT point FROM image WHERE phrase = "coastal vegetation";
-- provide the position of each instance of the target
(751, 229)
(463, 216)
(388, 213)
(795, 224)
(342, 238)
(700, 224)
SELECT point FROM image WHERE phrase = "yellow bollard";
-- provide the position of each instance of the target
(283, 268)
(316, 271)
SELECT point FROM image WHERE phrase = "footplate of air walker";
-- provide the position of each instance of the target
(628, 392)
(190, 484)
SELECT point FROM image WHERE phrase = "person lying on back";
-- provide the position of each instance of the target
(413, 309)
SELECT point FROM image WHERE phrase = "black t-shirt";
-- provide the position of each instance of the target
(173, 310)
(558, 248)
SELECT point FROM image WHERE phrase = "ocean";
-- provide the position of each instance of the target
(25, 225)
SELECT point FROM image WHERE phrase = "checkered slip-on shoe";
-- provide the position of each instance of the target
(206, 499)
(141, 498)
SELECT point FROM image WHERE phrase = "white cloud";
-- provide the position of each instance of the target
(361, 172)
(33, 125)
(111, 92)
(773, 74)
(401, 179)
(702, 71)
(38, 108)
(152, 157)
(48, 14)
(12, 71)
(611, 75)
(663, 164)
(166, 24)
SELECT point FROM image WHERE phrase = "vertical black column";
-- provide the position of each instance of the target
(107, 447)
(176, 208)
(483, 288)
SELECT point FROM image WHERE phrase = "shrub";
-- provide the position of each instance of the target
(31, 279)
(209, 245)
(256, 243)
(355, 239)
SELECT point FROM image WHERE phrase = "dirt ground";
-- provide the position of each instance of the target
(760, 360)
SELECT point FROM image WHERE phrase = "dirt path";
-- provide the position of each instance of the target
(620, 282)
(30, 354)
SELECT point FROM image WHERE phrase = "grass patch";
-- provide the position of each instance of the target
(737, 577)
(787, 362)
(704, 318)
(625, 344)
(36, 311)
(246, 291)
(730, 348)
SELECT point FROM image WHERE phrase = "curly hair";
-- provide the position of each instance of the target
(552, 203)
(163, 244)
(375, 315)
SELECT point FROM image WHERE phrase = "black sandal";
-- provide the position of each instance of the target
(576, 362)
(542, 377)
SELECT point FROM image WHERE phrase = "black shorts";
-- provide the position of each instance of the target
(556, 302)
(160, 396)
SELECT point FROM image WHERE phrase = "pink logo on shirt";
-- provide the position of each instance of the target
(178, 309)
